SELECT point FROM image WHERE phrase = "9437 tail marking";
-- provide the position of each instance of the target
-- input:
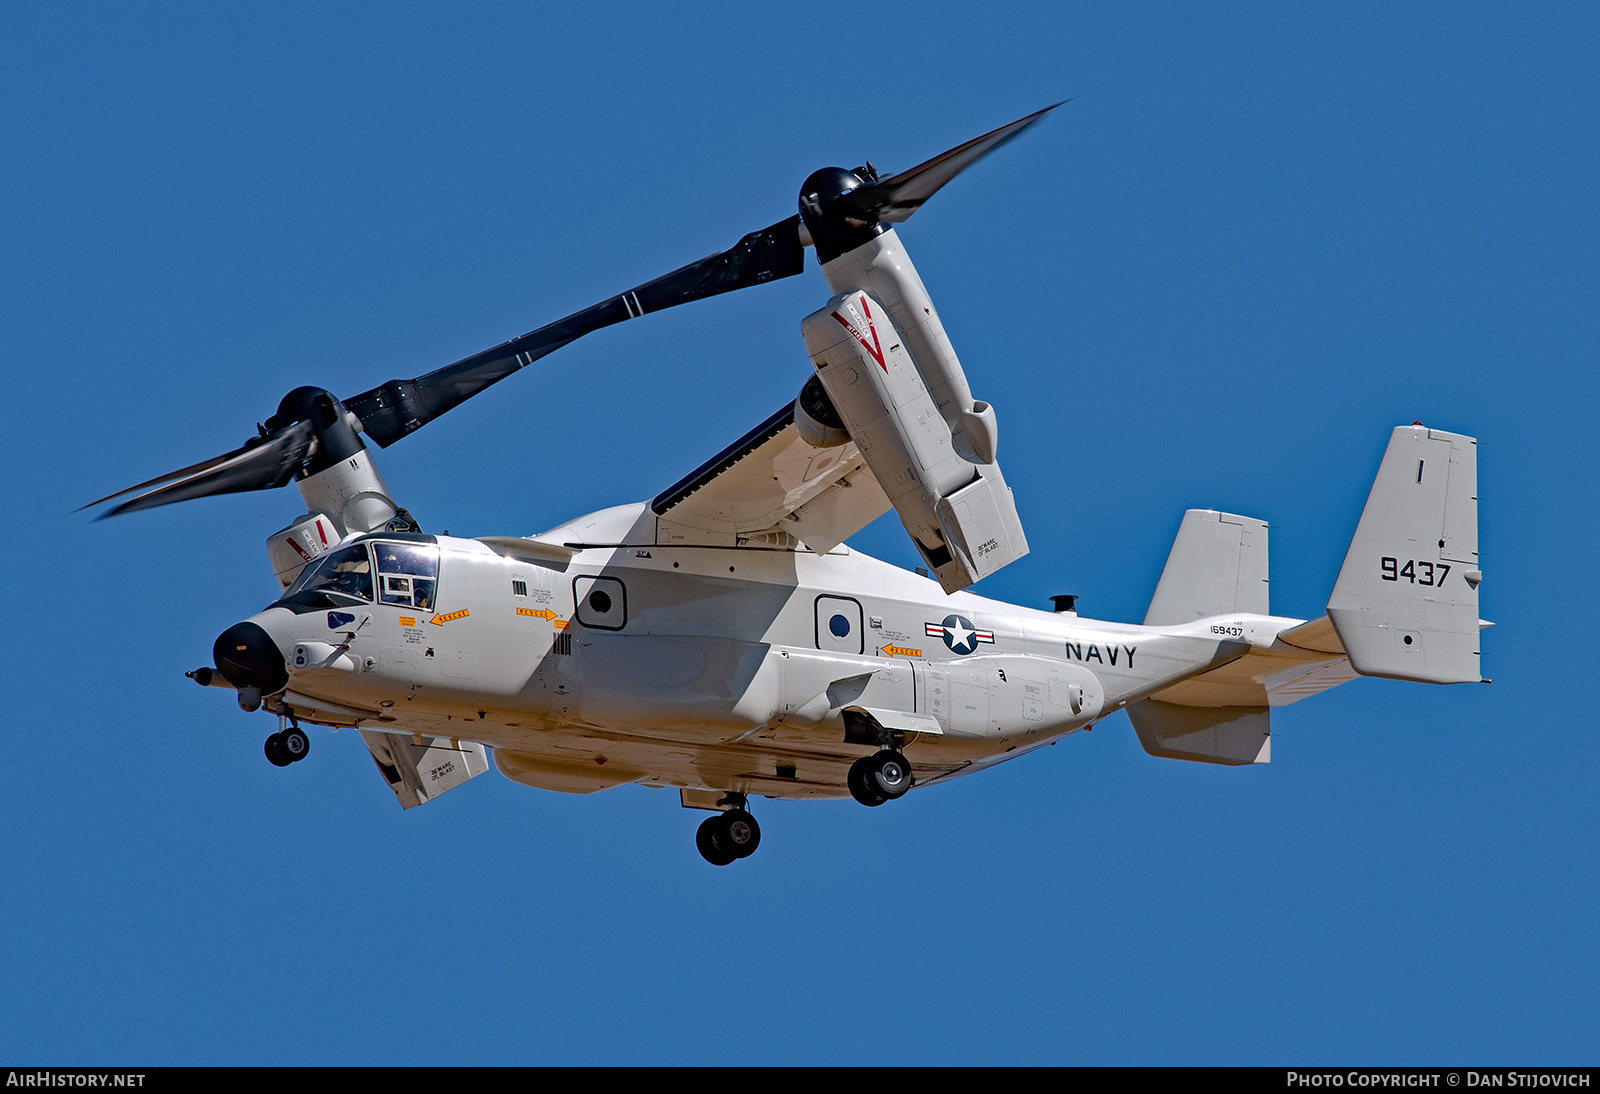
(1418, 573)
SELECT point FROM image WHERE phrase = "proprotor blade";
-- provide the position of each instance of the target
(178, 474)
(893, 199)
(399, 407)
(851, 207)
(263, 466)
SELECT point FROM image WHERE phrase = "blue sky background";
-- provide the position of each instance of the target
(1260, 237)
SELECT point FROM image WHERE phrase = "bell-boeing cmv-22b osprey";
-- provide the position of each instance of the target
(721, 638)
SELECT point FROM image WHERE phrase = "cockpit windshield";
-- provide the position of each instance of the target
(408, 574)
(347, 571)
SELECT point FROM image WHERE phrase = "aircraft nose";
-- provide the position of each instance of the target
(251, 661)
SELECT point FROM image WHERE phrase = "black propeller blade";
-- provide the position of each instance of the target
(178, 474)
(839, 210)
(893, 199)
(400, 407)
(261, 466)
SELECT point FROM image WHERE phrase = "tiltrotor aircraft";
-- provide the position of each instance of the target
(721, 638)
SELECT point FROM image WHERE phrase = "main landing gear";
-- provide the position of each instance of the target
(881, 777)
(729, 835)
(289, 745)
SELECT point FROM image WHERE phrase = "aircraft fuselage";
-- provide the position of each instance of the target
(741, 669)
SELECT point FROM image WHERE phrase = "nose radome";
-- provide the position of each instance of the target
(249, 658)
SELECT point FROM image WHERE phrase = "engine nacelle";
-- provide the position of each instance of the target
(295, 547)
(352, 493)
(958, 511)
(881, 268)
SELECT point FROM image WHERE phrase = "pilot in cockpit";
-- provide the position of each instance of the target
(350, 573)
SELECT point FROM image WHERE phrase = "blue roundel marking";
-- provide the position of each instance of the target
(839, 625)
(959, 634)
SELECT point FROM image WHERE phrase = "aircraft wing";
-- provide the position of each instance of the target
(771, 481)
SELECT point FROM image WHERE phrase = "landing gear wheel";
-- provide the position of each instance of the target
(889, 774)
(710, 848)
(294, 743)
(861, 786)
(738, 833)
(275, 752)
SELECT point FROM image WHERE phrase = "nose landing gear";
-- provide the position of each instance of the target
(727, 836)
(288, 745)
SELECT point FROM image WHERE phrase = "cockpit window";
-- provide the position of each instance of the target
(408, 574)
(348, 571)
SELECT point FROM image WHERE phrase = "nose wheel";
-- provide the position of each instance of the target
(288, 746)
(728, 836)
(881, 777)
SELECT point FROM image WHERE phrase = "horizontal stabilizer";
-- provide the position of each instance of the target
(1218, 735)
(1305, 660)
(1218, 564)
(1406, 602)
(1317, 636)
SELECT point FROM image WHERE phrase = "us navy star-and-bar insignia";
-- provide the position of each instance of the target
(959, 634)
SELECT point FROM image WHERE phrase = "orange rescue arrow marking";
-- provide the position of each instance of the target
(894, 650)
(441, 620)
(538, 613)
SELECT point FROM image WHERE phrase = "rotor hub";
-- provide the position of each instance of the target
(337, 438)
(834, 229)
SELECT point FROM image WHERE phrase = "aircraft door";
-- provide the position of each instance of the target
(838, 625)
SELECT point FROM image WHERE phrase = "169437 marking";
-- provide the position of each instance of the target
(1418, 573)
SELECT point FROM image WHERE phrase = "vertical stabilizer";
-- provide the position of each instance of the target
(1406, 602)
(1218, 564)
